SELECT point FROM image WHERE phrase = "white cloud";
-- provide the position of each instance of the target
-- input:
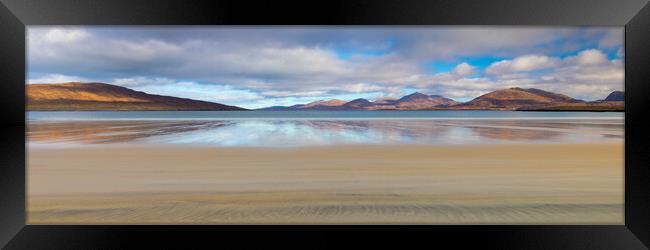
(141, 81)
(521, 64)
(463, 69)
(293, 93)
(588, 75)
(362, 87)
(589, 57)
(460, 71)
(140, 51)
(504, 41)
(60, 35)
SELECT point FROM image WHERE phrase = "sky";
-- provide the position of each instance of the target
(254, 67)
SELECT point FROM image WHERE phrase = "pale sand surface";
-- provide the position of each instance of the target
(468, 184)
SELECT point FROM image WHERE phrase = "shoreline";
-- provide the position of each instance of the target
(352, 111)
(181, 146)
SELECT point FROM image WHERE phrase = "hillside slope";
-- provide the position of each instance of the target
(515, 98)
(101, 96)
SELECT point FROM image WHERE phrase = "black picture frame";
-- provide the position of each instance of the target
(633, 14)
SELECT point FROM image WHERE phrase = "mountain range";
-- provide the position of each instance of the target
(505, 99)
(102, 96)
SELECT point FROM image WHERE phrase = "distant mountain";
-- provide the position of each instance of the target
(333, 104)
(515, 98)
(615, 96)
(597, 106)
(613, 102)
(415, 101)
(385, 101)
(505, 99)
(358, 104)
(421, 101)
(320, 105)
(325, 103)
(102, 96)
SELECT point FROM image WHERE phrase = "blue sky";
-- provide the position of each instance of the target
(255, 67)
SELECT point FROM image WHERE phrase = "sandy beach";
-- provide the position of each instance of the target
(427, 184)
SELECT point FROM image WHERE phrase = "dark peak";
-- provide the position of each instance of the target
(416, 95)
(616, 96)
(359, 100)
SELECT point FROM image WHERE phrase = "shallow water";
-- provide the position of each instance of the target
(312, 115)
(297, 129)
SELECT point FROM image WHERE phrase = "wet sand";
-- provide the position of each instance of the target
(436, 184)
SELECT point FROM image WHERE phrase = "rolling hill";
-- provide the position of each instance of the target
(515, 98)
(101, 96)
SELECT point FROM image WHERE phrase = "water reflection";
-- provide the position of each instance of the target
(110, 131)
(288, 133)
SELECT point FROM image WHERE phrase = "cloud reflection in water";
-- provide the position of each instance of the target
(297, 133)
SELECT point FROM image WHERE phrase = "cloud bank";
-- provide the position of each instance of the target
(267, 66)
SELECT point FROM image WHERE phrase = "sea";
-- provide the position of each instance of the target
(319, 128)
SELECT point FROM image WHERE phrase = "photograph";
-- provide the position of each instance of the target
(335, 124)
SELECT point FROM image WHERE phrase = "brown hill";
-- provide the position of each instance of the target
(613, 102)
(515, 98)
(385, 101)
(596, 106)
(357, 104)
(320, 105)
(333, 102)
(102, 96)
(417, 101)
